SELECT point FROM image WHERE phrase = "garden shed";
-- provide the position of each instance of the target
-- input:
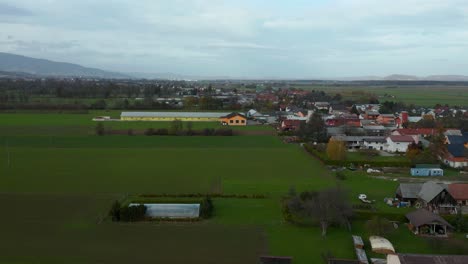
(425, 170)
(423, 222)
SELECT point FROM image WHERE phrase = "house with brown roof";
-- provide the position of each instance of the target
(386, 119)
(459, 192)
(424, 222)
(422, 132)
(290, 125)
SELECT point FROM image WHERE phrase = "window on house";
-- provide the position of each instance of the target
(231, 121)
(237, 121)
(242, 121)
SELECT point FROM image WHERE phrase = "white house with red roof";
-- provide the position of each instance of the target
(399, 143)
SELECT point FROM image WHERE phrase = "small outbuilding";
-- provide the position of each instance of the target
(408, 192)
(423, 222)
(426, 170)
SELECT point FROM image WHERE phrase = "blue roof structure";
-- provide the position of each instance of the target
(456, 140)
(457, 150)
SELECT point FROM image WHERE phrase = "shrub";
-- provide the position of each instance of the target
(223, 132)
(162, 132)
(149, 132)
(206, 208)
(208, 132)
(115, 211)
(100, 129)
(133, 213)
(340, 175)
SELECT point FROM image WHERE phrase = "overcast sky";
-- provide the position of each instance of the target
(244, 38)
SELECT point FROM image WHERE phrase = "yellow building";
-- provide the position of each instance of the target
(171, 116)
(234, 119)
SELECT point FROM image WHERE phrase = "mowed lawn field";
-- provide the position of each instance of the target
(56, 189)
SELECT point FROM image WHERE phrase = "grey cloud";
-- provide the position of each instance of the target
(10, 10)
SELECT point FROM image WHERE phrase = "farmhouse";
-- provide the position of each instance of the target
(171, 116)
(423, 222)
(455, 156)
(399, 143)
(234, 119)
(436, 197)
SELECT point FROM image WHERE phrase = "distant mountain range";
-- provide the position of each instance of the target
(23, 66)
(40, 67)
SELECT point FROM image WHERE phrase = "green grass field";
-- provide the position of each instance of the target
(24, 123)
(56, 189)
(420, 95)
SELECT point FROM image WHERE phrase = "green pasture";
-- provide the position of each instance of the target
(56, 189)
(68, 124)
(423, 95)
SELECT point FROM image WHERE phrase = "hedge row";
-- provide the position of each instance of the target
(213, 195)
(345, 163)
(203, 132)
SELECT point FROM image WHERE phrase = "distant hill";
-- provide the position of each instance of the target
(22, 64)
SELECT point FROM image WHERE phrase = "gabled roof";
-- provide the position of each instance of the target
(289, 122)
(402, 138)
(409, 190)
(456, 150)
(375, 139)
(456, 140)
(174, 114)
(452, 132)
(422, 217)
(233, 114)
(430, 259)
(459, 191)
(416, 131)
(429, 190)
(373, 127)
